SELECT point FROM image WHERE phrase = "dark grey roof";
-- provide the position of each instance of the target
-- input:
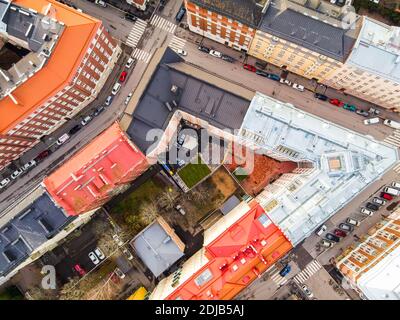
(307, 32)
(221, 108)
(229, 204)
(248, 12)
(28, 230)
(156, 249)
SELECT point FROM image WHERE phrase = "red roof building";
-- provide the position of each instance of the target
(96, 173)
(237, 250)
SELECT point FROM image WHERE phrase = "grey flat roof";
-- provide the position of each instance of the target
(229, 205)
(215, 105)
(156, 249)
(28, 230)
(308, 32)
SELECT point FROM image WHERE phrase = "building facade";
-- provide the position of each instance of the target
(70, 56)
(232, 23)
(140, 4)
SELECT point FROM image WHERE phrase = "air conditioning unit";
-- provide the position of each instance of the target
(174, 88)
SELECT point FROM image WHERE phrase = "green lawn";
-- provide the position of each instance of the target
(193, 173)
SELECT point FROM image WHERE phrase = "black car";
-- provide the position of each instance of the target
(98, 111)
(346, 227)
(75, 129)
(320, 96)
(362, 113)
(227, 58)
(372, 206)
(262, 73)
(332, 237)
(180, 14)
(204, 49)
(131, 17)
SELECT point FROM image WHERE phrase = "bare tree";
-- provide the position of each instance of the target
(71, 290)
(148, 212)
(167, 199)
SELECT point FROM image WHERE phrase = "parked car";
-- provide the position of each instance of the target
(122, 77)
(379, 201)
(109, 100)
(4, 182)
(371, 121)
(336, 102)
(128, 98)
(274, 77)
(321, 230)
(366, 212)
(61, 140)
(86, 120)
(298, 87)
(320, 96)
(227, 58)
(44, 154)
(180, 209)
(286, 269)
(340, 233)
(372, 206)
(391, 191)
(74, 129)
(116, 88)
(346, 227)
(180, 162)
(98, 111)
(119, 273)
(94, 258)
(326, 243)
(374, 111)
(392, 124)
(395, 185)
(353, 222)
(130, 17)
(29, 165)
(127, 253)
(215, 53)
(349, 107)
(307, 291)
(249, 67)
(181, 52)
(362, 113)
(285, 81)
(204, 49)
(180, 14)
(331, 237)
(117, 239)
(99, 253)
(80, 270)
(262, 73)
(181, 138)
(100, 3)
(386, 196)
(129, 63)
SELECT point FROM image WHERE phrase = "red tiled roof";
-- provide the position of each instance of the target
(90, 177)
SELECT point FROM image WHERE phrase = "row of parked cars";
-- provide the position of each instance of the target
(387, 194)
(216, 54)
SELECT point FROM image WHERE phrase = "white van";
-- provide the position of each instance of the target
(62, 139)
(116, 88)
(371, 121)
(391, 191)
(392, 124)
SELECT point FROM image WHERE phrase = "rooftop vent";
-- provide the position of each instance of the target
(174, 88)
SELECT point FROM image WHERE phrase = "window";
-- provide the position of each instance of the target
(203, 278)
(264, 220)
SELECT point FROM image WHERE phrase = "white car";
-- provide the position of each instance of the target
(379, 201)
(371, 121)
(180, 162)
(215, 53)
(29, 165)
(181, 52)
(321, 230)
(16, 173)
(128, 254)
(395, 185)
(326, 243)
(298, 87)
(353, 222)
(129, 63)
(116, 88)
(119, 273)
(128, 98)
(62, 139)
(101, 3)
(109, 100)
(117, 239)
(366, 212)
(4, 182)
(99, 253)
(181, 139)
(86, 120)
(285, 81)
(307, 291)
(94, 258)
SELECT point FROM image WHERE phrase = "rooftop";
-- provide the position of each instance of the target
(248, 12)
(91, 175)
(36, 224)
(59, 69)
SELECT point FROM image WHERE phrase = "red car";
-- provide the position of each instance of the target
(123, 75)
(80, 270)
(340, 233)
(336, 102)
(386, 196)
(250, 67)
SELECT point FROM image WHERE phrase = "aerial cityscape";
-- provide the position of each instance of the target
(199, 150)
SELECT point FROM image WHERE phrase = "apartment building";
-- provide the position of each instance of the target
(232, 23)
(60, 59)
(139, 4)
(371, 265)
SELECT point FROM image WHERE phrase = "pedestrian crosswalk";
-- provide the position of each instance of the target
(136, 33)
(393, 139)
(162, 23)
(141, 55)
(397, 168)
(307, 272)
(177, 43)
(277, 278)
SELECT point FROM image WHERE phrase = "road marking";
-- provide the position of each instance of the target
(393, 139)
(278, 279)
(162, 23)
(397, 168)
(136, 33)
(307, 272)
(177, 43)
(141, 55)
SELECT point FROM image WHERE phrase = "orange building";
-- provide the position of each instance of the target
(232, 23)
(67, 57)
(97, 172)
(237, 250)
